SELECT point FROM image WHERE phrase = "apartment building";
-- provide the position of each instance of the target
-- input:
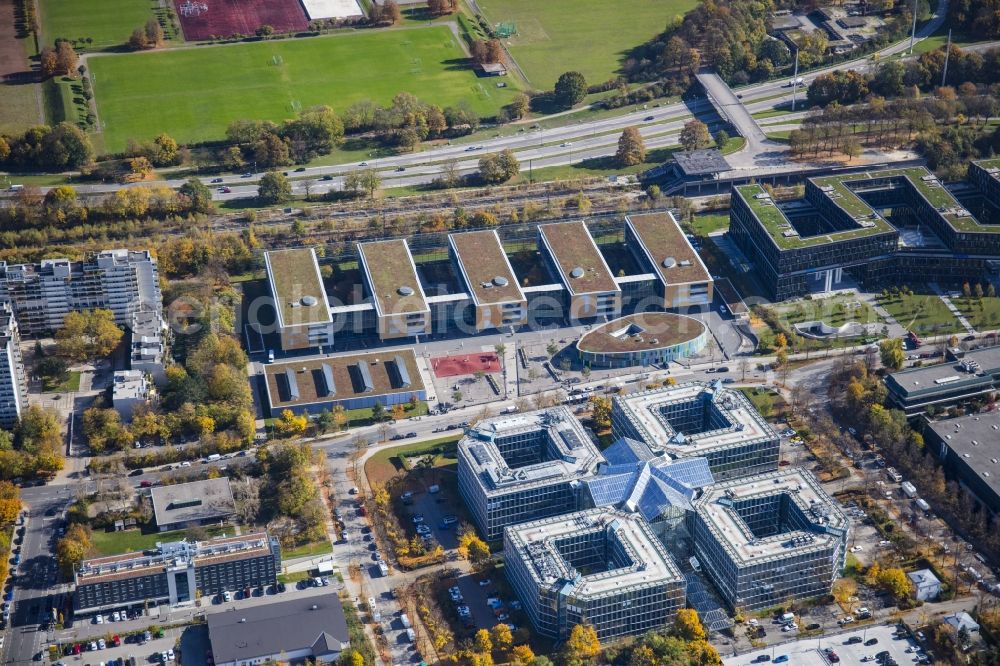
(42, 294)
(13, 383)
(176, 572)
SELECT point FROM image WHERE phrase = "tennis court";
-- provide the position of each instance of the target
(465, 364)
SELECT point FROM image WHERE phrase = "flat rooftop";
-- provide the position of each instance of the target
(130, 565)
(485, 267)
(647, 562)
(974, 440)
(561, 450)
(718, 509)
(194, 501)
(923, 181)
(640, 332)
(297, 287)
(581, 266)
(667, 248)
(975, 367)
(701, 162)
(735, 422)
(781, 230)
(392, 277)
(303, 382)
(244, 634)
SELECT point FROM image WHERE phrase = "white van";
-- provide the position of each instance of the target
(214, 457)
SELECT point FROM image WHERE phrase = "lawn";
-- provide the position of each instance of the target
(835, 311)
(924, 314)
(18, 107)
(589, 36)
(194, 94)
(386, 463)
(70, 383)
(983, 313)
(106, 22)
(363, 416)
(307, 550)
(707, 223)
(115, 543)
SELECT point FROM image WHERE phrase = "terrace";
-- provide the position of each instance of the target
(392, 277)
(485, 267)
(579, 261)
(297, 287)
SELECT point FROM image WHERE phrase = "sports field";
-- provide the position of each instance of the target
(589, 36)
(107, 22)
(193, 94)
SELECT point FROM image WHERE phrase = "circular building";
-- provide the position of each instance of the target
(642, 339)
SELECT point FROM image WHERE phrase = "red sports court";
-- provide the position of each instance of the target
(465, 364)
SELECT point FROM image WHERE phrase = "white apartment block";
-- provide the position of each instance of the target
(13, 385)
(42, 294)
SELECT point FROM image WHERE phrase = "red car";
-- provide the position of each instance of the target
(116, 639)
(145, 484)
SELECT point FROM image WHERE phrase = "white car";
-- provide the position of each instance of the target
(856, 549)
(186, 463)
(101, 644)
(170, 654)
(116, 617)
(845, 620)
(99, 619)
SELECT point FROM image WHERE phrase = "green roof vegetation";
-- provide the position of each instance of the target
(294, 275)
(394, 281)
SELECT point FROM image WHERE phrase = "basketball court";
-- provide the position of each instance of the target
(465, 364)
(205, 19)
(335, 9)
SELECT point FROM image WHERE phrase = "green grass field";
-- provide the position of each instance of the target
(193, 94)
(589, 36)
(18, 107)
(115, 543)
(924, 314)
(107, 22)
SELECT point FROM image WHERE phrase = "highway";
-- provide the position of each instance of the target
(558, 146)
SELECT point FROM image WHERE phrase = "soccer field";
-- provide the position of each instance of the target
(589, 36)
(107, 22)
(193, 94)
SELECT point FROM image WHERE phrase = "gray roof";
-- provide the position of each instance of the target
(701, 162)
(244, 634)
(973, 439)
(194, 501)
(949, 376)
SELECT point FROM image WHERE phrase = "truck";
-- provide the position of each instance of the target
(923, 505)
(893, 474)
(787, 617)
(383, 568)
(405, 620)
(509, 409)
(411, 635)
(908, 489)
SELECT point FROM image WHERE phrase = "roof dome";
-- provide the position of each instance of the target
(576, 272)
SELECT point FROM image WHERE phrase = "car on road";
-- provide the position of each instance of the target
(852, 640)
(225, 190)
(781, 658)
(136, 472)
(401, 168)
(565, 144)
(363, 164)
(247, 175)
(648, 118)
(300, 170)
(216, 180)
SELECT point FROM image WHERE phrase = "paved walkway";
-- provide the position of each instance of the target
(951, 308)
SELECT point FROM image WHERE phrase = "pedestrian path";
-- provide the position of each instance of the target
(952, 309)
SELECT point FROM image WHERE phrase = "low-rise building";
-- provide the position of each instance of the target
(660, 247)
(302, 311)
(963, 375)
(642, 339)
(354, 381)
(147, 345)
(600, 567)
(520, 467)
(766, 539)
(129, 390)
(967, 447)
(392, 284)
(291, 631)
(176, 572)
(926, 586)
(183, 505)
(699, 419)
(489, 278)
(573, 258)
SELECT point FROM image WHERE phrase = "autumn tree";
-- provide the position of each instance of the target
(695, 135)
(442, 7)
(482, 641)
(519, 106)
(154, 33)
(290, 425)
(48, 61)
(499, 167)
(688, 626)
(891, 353)
(582, 646)
(895, 582)
(474, 549)
(88, 334)
(367, 181)
(601, 411)
(522, 655)
(631, 149)
(72, 548)
(10, 502)
(502, 637)
(66, 59)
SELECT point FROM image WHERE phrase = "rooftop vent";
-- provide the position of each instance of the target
(309, 301)
(500, 281)
(669, 262)
(405, 291)
(576, 272)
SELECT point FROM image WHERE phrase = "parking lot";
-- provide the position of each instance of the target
(810, 652)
